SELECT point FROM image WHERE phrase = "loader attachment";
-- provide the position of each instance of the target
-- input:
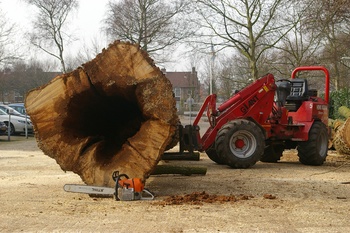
(188, 142)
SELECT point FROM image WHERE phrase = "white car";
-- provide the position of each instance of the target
(8, 109)
(3, 128)
(18, 123)
(19, 107)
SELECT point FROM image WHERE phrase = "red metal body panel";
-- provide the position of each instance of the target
(314, 109)
(255, 102)
(309, 111)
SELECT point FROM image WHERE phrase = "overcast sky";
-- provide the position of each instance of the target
(86, 23)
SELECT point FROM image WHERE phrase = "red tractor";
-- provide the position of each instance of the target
(262, 120)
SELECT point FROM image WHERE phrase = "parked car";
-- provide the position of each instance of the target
(19, 107)
(8, 109)
(17, 124)
(3, 128)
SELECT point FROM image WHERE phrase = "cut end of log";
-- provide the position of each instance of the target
(116, 112)
(341, 140)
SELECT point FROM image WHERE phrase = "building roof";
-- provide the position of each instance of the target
(182, 79)
(179, 79)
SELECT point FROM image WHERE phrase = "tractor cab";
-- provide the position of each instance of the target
(292, 93)
(298, 94)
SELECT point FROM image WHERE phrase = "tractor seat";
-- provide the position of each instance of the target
(298, 90)
(298, 94)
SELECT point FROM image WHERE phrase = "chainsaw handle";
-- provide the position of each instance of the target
(116, 176)
(149, 196)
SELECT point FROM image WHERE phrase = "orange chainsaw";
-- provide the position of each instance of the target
(125, 189)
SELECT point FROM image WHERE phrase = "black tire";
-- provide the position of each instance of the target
(240, 143)
(12, 128)
(211, 152)
(314, 151)
(272, 153)
(13, 131)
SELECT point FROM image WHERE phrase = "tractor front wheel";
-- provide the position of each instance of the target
(211, 152)
(314, 151)
(240, 143)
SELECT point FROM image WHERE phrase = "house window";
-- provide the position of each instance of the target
(177, 92)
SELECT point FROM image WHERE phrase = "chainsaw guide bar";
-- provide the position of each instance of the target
(76, 188)
(125, 189)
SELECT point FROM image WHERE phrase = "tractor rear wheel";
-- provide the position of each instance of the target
(211, 152)
(314, 151)
(272, 153)
(240, 143)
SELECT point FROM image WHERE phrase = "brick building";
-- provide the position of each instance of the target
(185, 85)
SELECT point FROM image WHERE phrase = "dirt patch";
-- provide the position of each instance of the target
(198, 198)
(268, 197)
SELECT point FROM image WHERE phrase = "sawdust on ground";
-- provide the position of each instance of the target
(282, 197)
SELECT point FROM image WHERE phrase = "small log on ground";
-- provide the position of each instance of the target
(116, 112)
(195, 156)
(180, 170)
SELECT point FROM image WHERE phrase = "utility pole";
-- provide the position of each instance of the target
(213, 54)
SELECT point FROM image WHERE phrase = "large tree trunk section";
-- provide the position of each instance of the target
(335, 125)
(341, 141)
(116, 112)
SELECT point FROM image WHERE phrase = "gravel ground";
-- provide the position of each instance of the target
(282, 197)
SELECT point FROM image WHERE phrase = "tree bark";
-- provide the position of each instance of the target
(116, 112)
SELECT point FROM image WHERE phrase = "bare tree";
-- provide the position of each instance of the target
(22, 76)
(250, 26)
(300, 47)
(232, 75)
(87, 52)
(332, 20)
(153, 24)
(8, 53)
(49, 29)
(7, 30)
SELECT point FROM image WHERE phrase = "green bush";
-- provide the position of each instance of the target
(338, 99)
